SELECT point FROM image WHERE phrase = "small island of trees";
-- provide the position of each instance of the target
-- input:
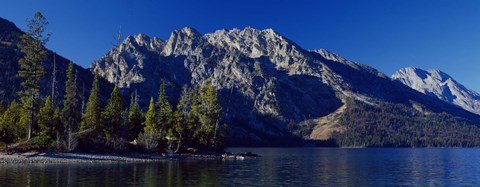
(193, 124)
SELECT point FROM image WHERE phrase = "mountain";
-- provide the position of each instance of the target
(273, 92)
(10, 83)
(439, 84)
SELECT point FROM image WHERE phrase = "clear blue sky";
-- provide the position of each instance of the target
(385, 34)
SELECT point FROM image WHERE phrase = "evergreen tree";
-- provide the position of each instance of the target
(12, 122)
(150, 137)
(165, 113)
(135, 119)
(151, 117)
(71, 107)
(92, 117)
(50, 123)
(31, 67)
(183, 115)
(193, 124)
(58, 127)
(209, 115)
(177, 132)
(112, 119)
(46, 120)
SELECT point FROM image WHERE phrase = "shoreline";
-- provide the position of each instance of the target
(54, 157)
(96, 158)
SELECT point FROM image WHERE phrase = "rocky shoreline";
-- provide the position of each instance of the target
(54, 157)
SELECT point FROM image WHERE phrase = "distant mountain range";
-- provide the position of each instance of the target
(273, 92)
(441, 85)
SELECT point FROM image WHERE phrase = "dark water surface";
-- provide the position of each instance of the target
(277, 167)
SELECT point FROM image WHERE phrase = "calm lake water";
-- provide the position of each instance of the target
(277, 167)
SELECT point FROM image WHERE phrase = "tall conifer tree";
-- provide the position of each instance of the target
(92, 118)
(31, 67)
(112, 119)
(135, 119)
(165, 112)
(71, 107)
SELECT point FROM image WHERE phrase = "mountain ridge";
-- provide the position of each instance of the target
(268, 85)
(441, 85)
(272, 91)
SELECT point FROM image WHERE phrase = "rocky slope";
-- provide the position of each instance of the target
(271, 90)
(441, 85)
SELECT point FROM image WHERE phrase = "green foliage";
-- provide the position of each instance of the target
(93, 111)
(194, 123)
(396, 125)
(183, 118)
(209, 115)
(151, 117)
(42, 140)
(12, 123)
(165, 113)
(193, 120)
(31, 67)
(71, 107)
(47, 120)
(135, 119)
(112, 119)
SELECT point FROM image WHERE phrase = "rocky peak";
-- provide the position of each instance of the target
(441, 85)
(142, 39)
(183, 42)
(255, 43)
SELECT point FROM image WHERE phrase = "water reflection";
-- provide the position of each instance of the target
(277, 167)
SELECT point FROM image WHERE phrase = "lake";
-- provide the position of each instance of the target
(276, 167)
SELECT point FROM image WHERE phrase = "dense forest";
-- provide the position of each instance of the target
(396, 125)
(89, 125)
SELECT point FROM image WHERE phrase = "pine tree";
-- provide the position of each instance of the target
(46, 120)
(181, 131)
(112, 119)
(165, 113)
(209, 115)
(71, 107)
(177, 132)
(12, 122)
(92, 117)
(49, 121)
(150, 137)
(58, 127)
(135, 119)
(31, 67)
(193, 123)
(151, 117)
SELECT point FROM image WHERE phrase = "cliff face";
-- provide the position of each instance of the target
(269, 87)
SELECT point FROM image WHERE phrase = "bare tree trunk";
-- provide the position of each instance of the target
(32, 117)
(69, 146)
(179, 144)
(58, 138)
(215, 134)
(54, 77)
